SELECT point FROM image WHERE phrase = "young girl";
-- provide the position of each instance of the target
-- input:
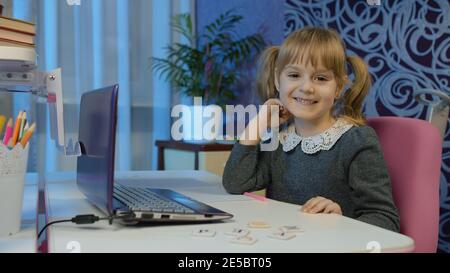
(328, 160)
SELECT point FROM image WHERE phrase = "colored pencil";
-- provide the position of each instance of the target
(17, 129)
(8, 132)
(2, 123)
(22, 125)
(28, 135)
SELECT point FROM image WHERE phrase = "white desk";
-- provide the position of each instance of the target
(25, 239)
(323, 233)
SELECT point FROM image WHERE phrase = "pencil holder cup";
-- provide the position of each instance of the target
(13, 166)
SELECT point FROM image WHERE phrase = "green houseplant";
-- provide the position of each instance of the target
(208, 65)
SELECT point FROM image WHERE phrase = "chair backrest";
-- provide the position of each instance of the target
(412, 149)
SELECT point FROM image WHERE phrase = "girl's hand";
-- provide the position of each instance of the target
(284, 114)
(261, 122)
(321, 205)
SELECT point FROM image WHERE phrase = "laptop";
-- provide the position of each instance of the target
(95, 172)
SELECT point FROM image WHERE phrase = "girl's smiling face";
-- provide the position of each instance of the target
(307, 92)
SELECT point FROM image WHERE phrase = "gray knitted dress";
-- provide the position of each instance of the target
(350, 172)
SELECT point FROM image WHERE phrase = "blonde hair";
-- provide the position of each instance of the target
(317, 45)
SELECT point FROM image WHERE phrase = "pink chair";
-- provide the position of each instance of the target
(412, 149)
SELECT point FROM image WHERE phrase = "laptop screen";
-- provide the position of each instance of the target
(97, 131)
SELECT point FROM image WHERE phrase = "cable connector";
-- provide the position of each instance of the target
(85, 219)
(88, 219)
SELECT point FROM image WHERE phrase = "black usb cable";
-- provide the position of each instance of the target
(84, 219)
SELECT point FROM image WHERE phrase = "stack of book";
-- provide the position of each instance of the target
(16, 33)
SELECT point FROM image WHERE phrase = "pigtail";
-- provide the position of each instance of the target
(354, 97)
(265, 79)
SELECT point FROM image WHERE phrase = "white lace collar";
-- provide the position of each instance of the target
(310, 145)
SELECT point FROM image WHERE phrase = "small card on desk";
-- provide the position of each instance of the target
(203, 232)
(245, 240)
(238, 232)
(281, 235)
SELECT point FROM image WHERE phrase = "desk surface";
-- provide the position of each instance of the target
(323, 233)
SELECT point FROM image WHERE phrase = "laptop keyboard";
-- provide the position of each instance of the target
(144, 199)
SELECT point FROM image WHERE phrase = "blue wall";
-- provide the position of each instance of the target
(265, 16)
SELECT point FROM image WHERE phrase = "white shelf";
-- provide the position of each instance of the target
(18, 73)
(17, 59)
